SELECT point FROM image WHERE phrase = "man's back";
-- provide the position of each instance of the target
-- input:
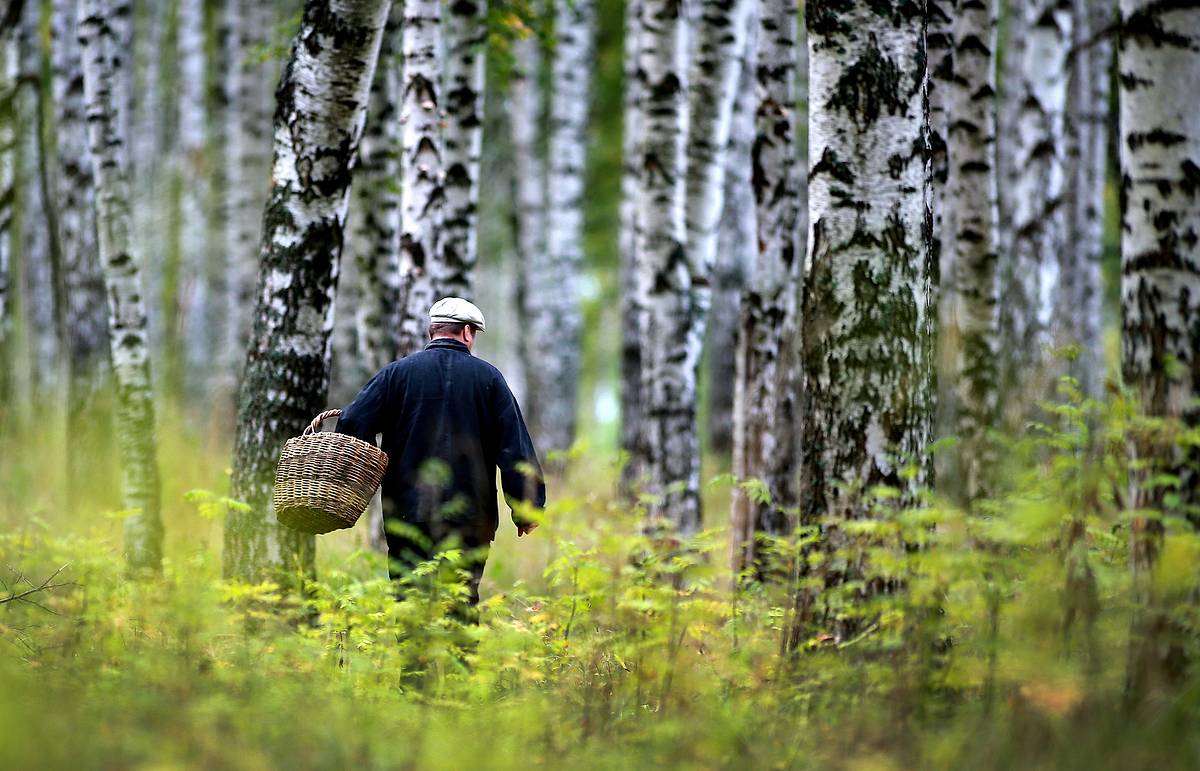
(448, 420)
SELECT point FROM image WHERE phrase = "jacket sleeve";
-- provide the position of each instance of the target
(520, 473)
(367, 415)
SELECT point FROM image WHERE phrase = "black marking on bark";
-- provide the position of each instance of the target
(1145, 25)
(832, 165)
(827, 17)
(869, 87)
(1158, 136)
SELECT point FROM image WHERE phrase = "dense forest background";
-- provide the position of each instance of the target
(858, 339)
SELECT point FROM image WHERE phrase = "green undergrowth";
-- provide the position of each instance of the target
(1000, 640)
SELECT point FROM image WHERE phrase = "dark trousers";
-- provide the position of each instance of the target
(411, 543)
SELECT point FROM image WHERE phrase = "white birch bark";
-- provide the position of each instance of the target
(1008, 114)
(1160, 301)
(971, 210)
(322, 106)
(422, 192)
(527, 108)
(868, 308)
(9, 73)
(765, 416)
(192, 167)
(554, 281)
(737, 247)
(376, 235)
(1077, 309)
(103, 68)
(1038, 220)
(670, 339)
(466, 36)
(631, 359)
(249, 92)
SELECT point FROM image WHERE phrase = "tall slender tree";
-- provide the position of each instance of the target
(104, 68)
(9, 69)
(322, 106)
(1160, 305)
(631, 357)
(670, 337)
(466, 34)
(554, 384)
(971, 210)
(765, 412)
(1037, 217)
(1077, 308)
(422, 191)
(867, 301)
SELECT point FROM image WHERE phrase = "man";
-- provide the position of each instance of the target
(448, 420)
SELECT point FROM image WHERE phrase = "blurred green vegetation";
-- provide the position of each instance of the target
(599, 647)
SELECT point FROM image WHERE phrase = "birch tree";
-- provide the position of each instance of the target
(192, 170)
(554, 383)
(1160, 303)
(1077, 309)
(422, 194)
(322, 105)
(1038, 221)
(104, 67)
(9, 70)
(668, 330)
(466, 36)
(87, 327)
(867, 304)
(765, 411)
(971, 210)
(737, 247)
(248, 83)
(631, 357)
(376, 237)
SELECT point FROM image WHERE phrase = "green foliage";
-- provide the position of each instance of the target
(938, 636)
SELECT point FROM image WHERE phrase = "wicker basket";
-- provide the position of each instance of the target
(326, 480)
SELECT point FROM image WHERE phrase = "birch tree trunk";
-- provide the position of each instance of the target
(103, 69)
(377, 234)
(422, 194)
(466, 38)
(192, 167)
(1160, 305)
(554, 383)
(669, 332)
(9, 72)
(631, 305)
(529, 197)
(1007, 117)
(1077, 304)
(249, 94)
(971, 209)
(765, 417)
(1038, 220)
(87, 326)
(868, 307)
(737, 247)
(322, 105)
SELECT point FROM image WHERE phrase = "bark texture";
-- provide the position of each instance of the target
(672, 300)
(105, 67)
(554, 383)
(9, 72)
(765, 411)
(1037, 217)
(1160, 302)
(422, 193)
(971, 211)
(868, 307)
(1077, 309)
(631, 357)
(321, 109)
(466, 35)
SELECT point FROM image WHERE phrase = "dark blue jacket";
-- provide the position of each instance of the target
(448, 421)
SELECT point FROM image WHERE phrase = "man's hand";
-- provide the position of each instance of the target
(526, 528)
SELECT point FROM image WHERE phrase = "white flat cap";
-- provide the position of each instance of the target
(455, 310)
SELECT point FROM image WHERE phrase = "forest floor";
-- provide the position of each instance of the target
(598, 648)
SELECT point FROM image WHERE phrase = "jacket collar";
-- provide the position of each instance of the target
(446, 342)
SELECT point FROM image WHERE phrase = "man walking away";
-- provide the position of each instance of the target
(448, 420)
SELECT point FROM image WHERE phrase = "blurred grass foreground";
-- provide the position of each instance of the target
(995, 637)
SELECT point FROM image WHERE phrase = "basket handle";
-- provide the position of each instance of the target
(318, 420)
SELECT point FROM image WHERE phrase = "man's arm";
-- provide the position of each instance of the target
(520, 473)
(367, 415)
